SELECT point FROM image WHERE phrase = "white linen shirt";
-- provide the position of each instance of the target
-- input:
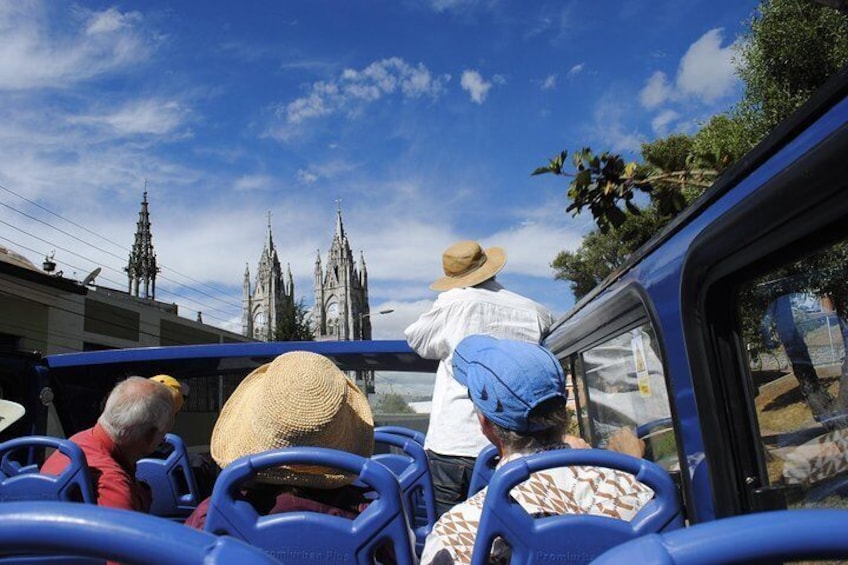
(489, 309)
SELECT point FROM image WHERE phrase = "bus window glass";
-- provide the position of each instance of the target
(625, 387)
(793, 325)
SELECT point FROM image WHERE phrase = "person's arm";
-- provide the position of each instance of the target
(428, 335)
(625, 441)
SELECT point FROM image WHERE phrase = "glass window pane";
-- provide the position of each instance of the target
(625, 388)
(793, 323)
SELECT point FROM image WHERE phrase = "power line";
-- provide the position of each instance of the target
(17, 244)
(10, 191)
(212, 308)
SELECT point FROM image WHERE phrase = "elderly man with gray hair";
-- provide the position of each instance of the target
(138, 414)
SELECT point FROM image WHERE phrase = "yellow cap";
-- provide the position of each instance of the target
(174, 386)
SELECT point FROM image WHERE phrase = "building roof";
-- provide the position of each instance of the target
(15, 258)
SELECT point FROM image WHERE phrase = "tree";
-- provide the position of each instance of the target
(791, 48)
(293, 324)
(393, 403)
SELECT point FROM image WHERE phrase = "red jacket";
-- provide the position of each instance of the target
(114, 477)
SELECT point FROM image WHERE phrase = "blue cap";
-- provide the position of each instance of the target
(506, 379)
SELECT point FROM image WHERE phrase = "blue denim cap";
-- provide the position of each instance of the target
(506, 379)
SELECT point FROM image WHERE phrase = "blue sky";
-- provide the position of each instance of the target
(424, 117)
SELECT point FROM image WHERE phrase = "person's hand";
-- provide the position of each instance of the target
(575, 442)
(625, 441)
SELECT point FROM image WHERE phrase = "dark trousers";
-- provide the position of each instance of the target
(451, 478)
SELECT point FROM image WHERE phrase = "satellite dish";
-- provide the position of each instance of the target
(91, 276)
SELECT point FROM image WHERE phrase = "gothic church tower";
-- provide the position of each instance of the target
(341, 310)
(141, 269)
(262, 307)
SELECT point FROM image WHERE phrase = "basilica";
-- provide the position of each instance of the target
(340, 285)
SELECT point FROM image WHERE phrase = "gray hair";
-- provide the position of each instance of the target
(551, 415)
(134, 408)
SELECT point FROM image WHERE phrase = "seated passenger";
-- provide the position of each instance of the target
(518, 391)
(178, 390)
(299, 399)
(137, 415)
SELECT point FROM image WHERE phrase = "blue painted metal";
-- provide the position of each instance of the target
(171, 481)
(484, 467)
(60, 528)
(21, 483)
(309, 536)
(403, 432)
(766, 537)
(576, 538)
(348, 355)
(416, 485)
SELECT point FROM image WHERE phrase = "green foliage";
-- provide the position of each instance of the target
(791, 48)
(293, 324)
(392, 403)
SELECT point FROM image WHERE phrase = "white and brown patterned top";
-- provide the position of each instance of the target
(564, 490)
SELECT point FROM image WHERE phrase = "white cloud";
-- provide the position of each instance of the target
(575, 70)
(249, 183)
(306, 177)
(550, 82)
(474, 83)
(661, 122)
(32, 55)
(355, 87)
(656, 90)
(152, 116)
(449, 5)
(705, 74)
(706, 70)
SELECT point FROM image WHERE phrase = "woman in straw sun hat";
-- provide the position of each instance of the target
(299, 399)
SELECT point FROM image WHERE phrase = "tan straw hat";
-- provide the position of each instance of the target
(466, 264)
(299, 399)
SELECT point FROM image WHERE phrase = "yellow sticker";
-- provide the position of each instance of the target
(637, 345)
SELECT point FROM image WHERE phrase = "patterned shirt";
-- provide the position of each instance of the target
(564, 490)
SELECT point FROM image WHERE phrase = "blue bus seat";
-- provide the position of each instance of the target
(59, 528)
(403, 431)
(299, 536)
(484, 466)
(764, 537)
(416, 484)
(171, 481)
(575, 538)
(21, 483)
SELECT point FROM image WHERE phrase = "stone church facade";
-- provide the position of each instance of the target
(341, 310)
(264, 303)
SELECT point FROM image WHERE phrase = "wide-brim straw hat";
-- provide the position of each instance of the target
(299, 399)
(466, 264)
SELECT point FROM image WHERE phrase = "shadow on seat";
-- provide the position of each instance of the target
(57, 528)
(24, 483)
(309, 536)
(171, 481)
(783, 535)
(484, 466)
(576, 538)
(416, 484)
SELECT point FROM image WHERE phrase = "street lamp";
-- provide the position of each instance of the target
(363, 317)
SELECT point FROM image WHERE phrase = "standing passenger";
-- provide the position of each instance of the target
(473, 302)
(138, 414)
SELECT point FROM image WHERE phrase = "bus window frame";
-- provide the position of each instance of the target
(758, 232)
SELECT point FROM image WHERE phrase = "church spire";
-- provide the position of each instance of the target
(339, 225)
(141, 268)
